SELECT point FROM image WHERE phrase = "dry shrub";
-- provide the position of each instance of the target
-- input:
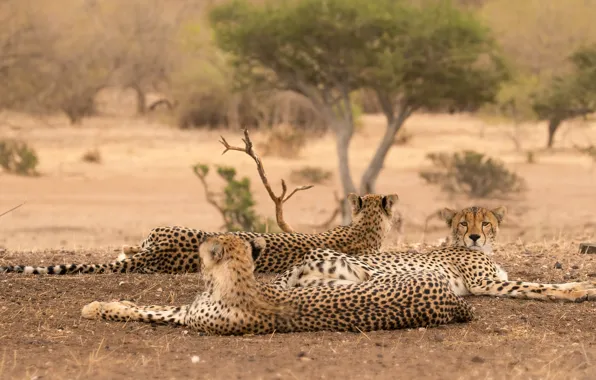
(284, 141)
(473, 174)
(311, 175)
(291, 108)
(92, 156)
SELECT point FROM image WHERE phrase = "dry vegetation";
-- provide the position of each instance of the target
(102, 63)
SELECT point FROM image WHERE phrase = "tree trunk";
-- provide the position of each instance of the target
(553, 125)
(343, 137)
(369, 178)
(141, 99)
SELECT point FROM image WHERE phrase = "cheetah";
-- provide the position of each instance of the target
(235, 303)
(175, 249)
(467, 264)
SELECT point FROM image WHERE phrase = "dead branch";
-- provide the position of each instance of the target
(12, 209)
(278, 201)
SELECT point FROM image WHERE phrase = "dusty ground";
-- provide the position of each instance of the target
(78, 211)
(42, 334)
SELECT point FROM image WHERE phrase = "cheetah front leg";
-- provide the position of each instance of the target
(127, 311)
(573, 291)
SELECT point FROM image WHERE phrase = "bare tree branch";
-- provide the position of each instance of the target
(209, 196)
(278, 201)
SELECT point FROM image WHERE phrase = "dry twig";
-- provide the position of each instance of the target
(278, 201)
(209, 195)
(12, 209)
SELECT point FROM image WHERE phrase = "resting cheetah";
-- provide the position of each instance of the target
(175, 249)
(235, 303)
(467, 265)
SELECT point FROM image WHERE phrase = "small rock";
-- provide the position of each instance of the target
(302, 356)
(195, 359)
(575, 267)
(500, 330)
(558, 265)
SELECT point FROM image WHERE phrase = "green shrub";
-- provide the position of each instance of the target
(473, 174)
(236, 203)
(18, 158)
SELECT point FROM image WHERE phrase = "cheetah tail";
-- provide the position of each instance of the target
(127, 311)
(119, 266)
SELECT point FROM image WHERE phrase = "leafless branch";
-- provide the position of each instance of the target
(209, 196)
(278, 201)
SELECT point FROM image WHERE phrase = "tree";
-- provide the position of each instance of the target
(414, 58)
(440, 58)
(568, 95)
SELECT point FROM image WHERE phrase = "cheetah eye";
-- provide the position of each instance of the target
(484, 224)
(463, 224)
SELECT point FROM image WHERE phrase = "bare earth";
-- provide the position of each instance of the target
(77, 211)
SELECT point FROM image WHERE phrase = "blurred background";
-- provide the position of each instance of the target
(111, 112)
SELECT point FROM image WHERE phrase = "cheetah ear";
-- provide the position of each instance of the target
(257, 245)
(499, 213)
(388, 201)
(212, 249)
(447, 214)
(356, 202)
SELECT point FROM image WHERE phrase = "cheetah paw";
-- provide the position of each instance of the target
(92, 310)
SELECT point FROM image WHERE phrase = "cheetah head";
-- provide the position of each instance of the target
(223, 250)
(474, 227)
(373, 208)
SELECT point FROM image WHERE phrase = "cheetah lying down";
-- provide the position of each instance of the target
(174, 249)
(466, 264)
(235, 303)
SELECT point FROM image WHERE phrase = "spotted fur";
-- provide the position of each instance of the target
(235, 303)
(467, 264)
(175, 249)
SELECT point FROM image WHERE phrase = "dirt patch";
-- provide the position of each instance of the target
(43, 336)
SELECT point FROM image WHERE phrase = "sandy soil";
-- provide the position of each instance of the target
(79, 211)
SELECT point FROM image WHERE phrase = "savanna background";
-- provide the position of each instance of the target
(110, 116)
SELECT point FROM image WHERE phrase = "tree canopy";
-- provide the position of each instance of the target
(431, 57)
(568, 95)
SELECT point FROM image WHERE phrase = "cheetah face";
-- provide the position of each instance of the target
(474, 227)
(371, 207)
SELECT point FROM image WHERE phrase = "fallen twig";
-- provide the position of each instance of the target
(12, 209)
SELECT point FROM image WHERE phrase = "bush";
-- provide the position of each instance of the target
(284, 141)
(236, 203)
(473, 174)
(18, 158)
(92, 156)
(311, 175)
